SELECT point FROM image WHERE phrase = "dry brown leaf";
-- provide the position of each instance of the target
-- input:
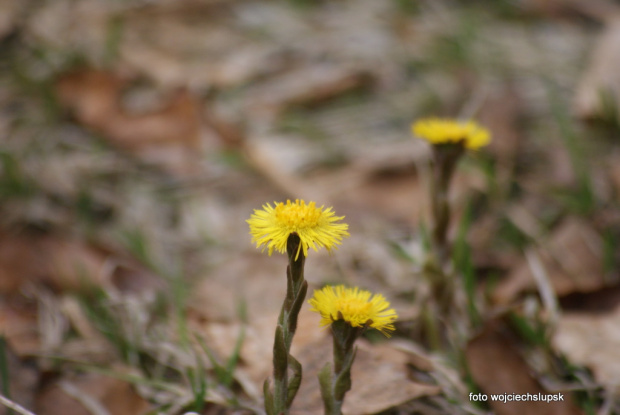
(398, 194)
(380, 374)
(91, 95)
(256, 281)
(80, 394)
(66, 265)
(19, 262)
(381, 380)
(592, 340)
(28, 262)
(257, 349)
(387, 183)
(260, 282)
(309, 85)
(169, 136)
(19, 325)
(59, 263)
(497, 368)
(600, 85)
(571, 257)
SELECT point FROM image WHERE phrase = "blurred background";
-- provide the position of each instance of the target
(136, 137)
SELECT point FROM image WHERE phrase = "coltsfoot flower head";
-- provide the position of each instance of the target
(359, 308)
(316, 227)
(445, 131)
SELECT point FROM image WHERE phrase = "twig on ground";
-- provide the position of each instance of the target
(14, 406)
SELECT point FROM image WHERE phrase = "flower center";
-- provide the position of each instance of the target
(353, 308)
(298, 214)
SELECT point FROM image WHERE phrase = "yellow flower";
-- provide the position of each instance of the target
(444, 131)
(316, 227)
(357, 307)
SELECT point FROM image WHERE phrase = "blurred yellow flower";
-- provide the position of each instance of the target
(444, 131)
(357, 307)
(316, 227)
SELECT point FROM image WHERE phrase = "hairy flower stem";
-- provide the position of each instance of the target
(445, 159)
(335, 385)
(285, 389)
